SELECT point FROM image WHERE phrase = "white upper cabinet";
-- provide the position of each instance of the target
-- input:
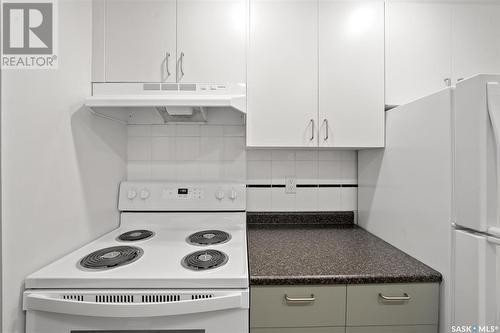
(351, 74)
(282, 82)
(418, 55)
(314, 64)
(476, 39)
(211, 35)
(171, 41)
(432, 45)
(139, 35)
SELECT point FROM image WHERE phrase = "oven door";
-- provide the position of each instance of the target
(136, 311)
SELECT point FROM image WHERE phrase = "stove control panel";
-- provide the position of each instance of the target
(163, 196)
(183, 193)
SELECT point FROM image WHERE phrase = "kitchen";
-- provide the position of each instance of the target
(324, 153)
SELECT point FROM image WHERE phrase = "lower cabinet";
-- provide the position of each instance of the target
(393, 329)
(369, 308)
(393, 304)
(297, 306)
(300, 330)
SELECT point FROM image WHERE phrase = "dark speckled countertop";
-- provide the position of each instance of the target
(325, 248)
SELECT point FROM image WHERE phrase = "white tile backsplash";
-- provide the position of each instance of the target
(259, 199)
(282, 201)
(210, 148)
(306, 172)
(178, 152)
(163, 148)
(139, 130)
(234, 148)
(350, 198)
(187, 148)
(212, 130)
(330, 168)
(187, 130)
(258, 155)
(258, 172)
(138, 170)
(280, 170)
(139, 149)
(234, 131)
(161, 130)
(163, 170)
(330, 172)
(306, 199)
(329, 198)
(192, 152)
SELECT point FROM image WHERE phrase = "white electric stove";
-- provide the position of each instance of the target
(177, 263)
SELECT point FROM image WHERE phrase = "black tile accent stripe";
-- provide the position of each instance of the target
(300, 185)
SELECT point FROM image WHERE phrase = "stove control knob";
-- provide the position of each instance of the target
(219, 195)
(144, 194)
(131, 194)
(232, 195)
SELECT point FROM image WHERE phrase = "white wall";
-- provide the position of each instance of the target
(217, 152)
(405, 190)
(60, 165)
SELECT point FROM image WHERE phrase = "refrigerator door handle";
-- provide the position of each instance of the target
(494, 231)
(493, 240)
(493, 99)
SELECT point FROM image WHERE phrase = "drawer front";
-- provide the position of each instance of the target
(394, 329)
(366, 305)
(299, 330)
(306, 306)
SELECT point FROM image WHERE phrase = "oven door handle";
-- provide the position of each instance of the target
(41, 302)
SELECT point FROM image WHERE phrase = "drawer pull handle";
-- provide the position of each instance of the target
(405, 297)
(299, 300)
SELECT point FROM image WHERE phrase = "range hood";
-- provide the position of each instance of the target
(159, 103)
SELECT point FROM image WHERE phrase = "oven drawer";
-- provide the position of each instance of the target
(393, 304)
(136, 310)
(299, 330)
(297, 306)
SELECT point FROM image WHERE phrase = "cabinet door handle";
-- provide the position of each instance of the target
(300, 300)
(181, 65)
(167, 58)
(325, 122)
(447, 82)
(312, 129)
(405, 297)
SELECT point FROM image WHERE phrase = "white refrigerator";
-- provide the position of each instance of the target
(433, 192)
(476, 186)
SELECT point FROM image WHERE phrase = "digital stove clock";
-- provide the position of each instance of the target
(183, 193)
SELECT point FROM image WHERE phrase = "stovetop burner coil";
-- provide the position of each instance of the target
(135, 235)
(111, 257)
(203, 260)
(209, 237)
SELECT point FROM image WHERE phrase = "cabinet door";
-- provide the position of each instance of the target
(270, 307)
(366, 304)
(418, 55)
(282, 92)
(139, 33)
(212, 36)
(476, 40)
(351, 74)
